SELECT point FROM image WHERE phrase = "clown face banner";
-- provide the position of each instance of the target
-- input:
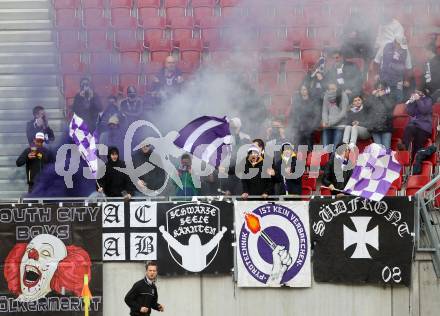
(48, 254)
(272, 244)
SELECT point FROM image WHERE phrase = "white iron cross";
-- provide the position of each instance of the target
(361, 237)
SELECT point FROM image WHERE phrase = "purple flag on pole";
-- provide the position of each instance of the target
(85, 141)
(207, 138)
(376, 169)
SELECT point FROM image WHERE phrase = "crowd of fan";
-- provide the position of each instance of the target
(330, 100)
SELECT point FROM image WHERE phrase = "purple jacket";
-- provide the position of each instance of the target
(393, 64)
(421, 113)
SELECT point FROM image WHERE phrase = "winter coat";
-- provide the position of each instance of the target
(421, 113)
(256, 185)
(102, 118)
(114, 181)
(291, 186)
(33, 166)
(362, 116)
(330, 177)
(395, 62)
(381, 114)
(309, 109)
(154, 179)
(142, 294)
(32, 129)
(87, 109)
(349, 79)
(333, 114)
(432, 76)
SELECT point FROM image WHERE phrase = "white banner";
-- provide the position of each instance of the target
(272, 244)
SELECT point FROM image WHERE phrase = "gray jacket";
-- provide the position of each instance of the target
(334, 115)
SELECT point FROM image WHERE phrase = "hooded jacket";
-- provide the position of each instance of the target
(334, 113)
(256, 185)
(114, 181)
(381, 114)
(421, 113)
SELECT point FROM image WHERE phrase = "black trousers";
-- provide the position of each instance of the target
(415, 135)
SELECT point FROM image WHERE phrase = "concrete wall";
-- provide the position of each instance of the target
(218, 296)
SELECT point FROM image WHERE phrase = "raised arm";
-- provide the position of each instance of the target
(170, 239)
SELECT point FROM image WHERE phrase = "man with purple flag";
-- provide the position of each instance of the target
(85, 141)
(376, 169)
(207, 138)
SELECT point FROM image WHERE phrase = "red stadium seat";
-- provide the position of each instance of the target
(71, 85)
(100, 62)
(400, 110)
(97, 4)
(121, 18)
(148, 4)
(147, 13)
(309, 182)
(190, 51)
(294, 65)
(66, 4)
(306, 191)
(71, 63)
(130, 62)
(294, 79)
(67, 19)
(203, 8)
(232, 8)
(325, 191)
(154, 28)
(127, 41)
(403, 157)
(98, 41)
(159, 50)
(103, 84)
(398, 183)
(121, 4)
(128, 79)
(182, 27)
(417, 181)
(95, 19)
(400, 122)
(211, 29)
(187, 67)
(152, 68)
(70, 41)
(175, 8)
(392, 191)
(296, 34)
(436, 107)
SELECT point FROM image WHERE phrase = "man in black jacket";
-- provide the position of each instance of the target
(39, 124)
(143, 295)
(35, 157)
(154, 179)
(338, 170)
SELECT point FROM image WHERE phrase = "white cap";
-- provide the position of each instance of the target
(254, 148)
(40, 135)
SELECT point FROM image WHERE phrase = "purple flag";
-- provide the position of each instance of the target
(207, 138)
(375, 171)
(85, 141)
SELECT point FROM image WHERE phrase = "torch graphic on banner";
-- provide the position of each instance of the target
(253, 224)
(86, 295)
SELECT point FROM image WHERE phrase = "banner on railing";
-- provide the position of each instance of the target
(362, 241)
(195, 237)
(47, 251)
(273, 244)
(183, 236)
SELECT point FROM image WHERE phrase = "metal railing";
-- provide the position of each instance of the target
(426, 215)
(427, 221)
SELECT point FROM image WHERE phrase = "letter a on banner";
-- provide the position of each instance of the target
(273, 244)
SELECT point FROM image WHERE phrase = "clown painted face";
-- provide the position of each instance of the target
(38, 266)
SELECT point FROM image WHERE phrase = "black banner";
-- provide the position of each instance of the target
(362, 241)
(195, 237)
(46, 251)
